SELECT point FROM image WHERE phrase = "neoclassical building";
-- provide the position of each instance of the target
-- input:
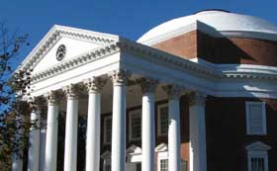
(196, 93)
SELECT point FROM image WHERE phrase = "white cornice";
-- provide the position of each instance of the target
(238, 76)
(199, 67)
(55, 33)
(64, 66)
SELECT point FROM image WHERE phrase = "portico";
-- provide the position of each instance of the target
(162, 103)
(115, 75)
(95, 87)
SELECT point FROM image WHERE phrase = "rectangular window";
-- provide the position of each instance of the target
(184, 165)
(257, 164)
(135, 125)
(108, 129)
(107, 167)
(164, 165)
(138, 167)
(163, 119)
(256, 118)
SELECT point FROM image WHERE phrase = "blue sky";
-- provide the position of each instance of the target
(128, 18)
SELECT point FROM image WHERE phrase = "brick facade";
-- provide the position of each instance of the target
(232, 50)
(226, 133)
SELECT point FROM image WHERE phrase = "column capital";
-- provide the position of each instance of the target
(95, 84)
(72, 91)
(52, 98)
(148, 84)
(197, 98)
(119, 77)
(36, 103)
(173, 91)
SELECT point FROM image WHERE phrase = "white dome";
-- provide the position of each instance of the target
(219, 20)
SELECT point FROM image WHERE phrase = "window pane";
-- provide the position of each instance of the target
(138, 167)
(257, 164)
(164, 165)
(255, 118)
(183, 165)
(136, 125)
(164, 119)
(108, 131)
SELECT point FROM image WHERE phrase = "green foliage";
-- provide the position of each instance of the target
(14, 120)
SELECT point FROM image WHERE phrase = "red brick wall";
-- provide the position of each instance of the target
(221, 50)
(184, 46)
(226, 133)
(159, 139)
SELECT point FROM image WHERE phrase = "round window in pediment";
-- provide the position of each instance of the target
(61, 51)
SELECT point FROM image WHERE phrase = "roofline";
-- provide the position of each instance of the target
(55, 33)
(200, 26)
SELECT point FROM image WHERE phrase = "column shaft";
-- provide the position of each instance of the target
(174, 153)
(197, 131)
(17, 164)
(51, 137)
(118, 127)
(93, 133)
(70, 154)
(148, 132)
(34, 142)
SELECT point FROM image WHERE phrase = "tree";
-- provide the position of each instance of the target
(14, 123)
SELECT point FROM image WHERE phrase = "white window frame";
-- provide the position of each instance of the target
(106, 159)
(257, 150)
(162, 154)
(131, 113)
(105, 129)
(264, 129)
(162, 158)
(257, 154)
(159, 119)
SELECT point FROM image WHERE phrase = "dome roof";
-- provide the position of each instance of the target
(221, 21)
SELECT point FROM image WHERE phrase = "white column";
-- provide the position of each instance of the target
(34, 139)
(71, 130)
(51, 133)
(17, 164)
(17, 157)
(119, 120)
(197, 130)
(174, 145)
(94, 86)
(148, 87)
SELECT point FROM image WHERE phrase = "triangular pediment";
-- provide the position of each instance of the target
(133, 149)
(75, 41)
(106, 155)
(162, 147)
(258, 146)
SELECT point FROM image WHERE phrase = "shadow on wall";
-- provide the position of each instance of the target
(235, 50)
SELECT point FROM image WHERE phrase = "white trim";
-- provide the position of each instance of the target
(105, 129)
(55, 33)
(264, 127)
(257, 150)
(161, 148)
(133, 154)
(159, 118)
(258, 146)
(220, 80)
(131, 113)
(161, 156)
(213, 25)
(106, 156)
(257, 154)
